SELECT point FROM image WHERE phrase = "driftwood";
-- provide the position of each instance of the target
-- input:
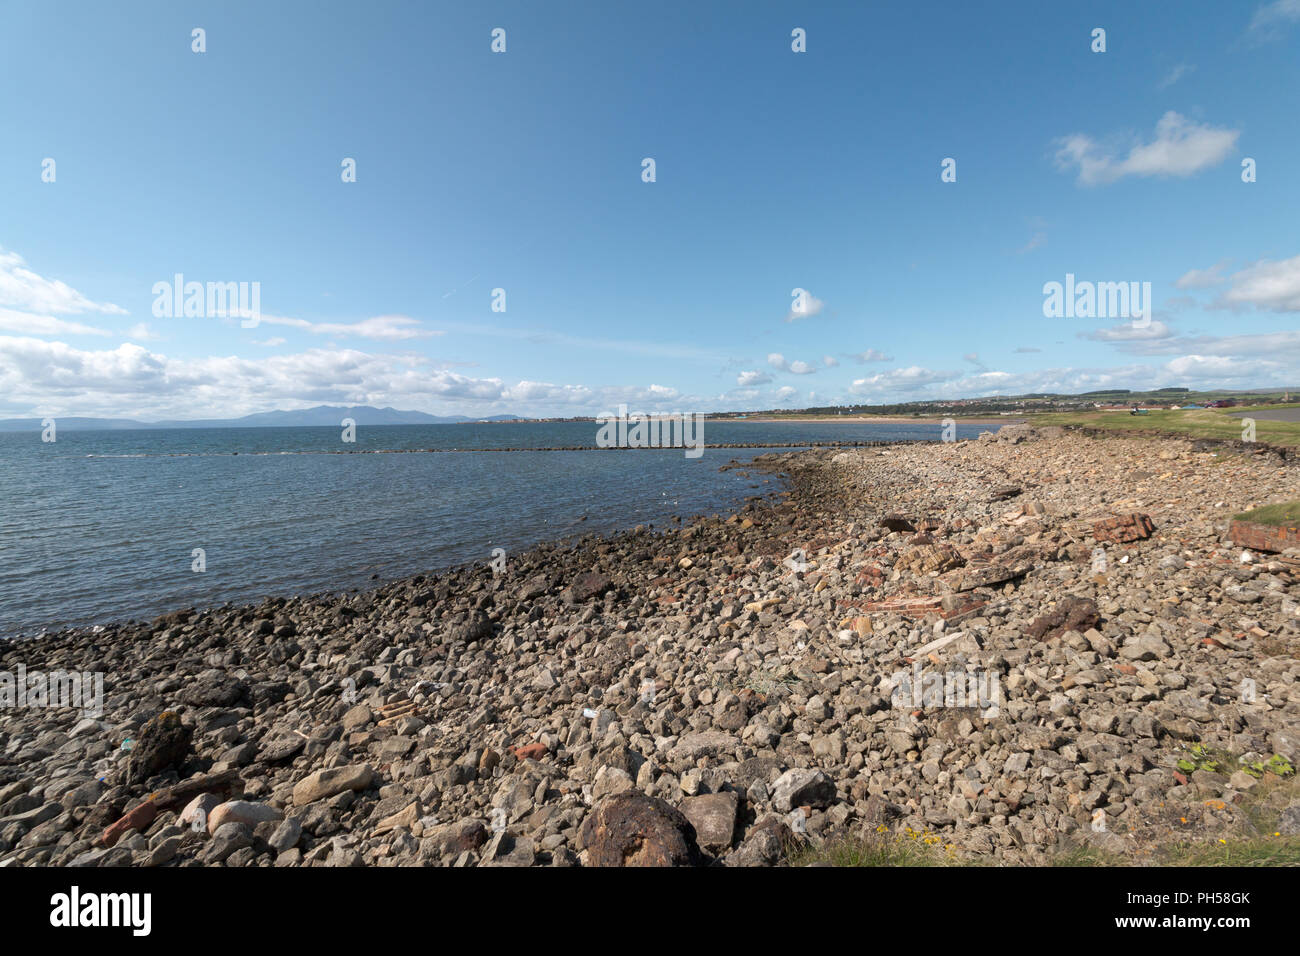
(142, 814)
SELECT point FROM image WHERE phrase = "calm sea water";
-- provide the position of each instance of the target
(100, 526)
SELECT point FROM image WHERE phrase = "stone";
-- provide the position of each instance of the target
(506, 849)
(710, 743)
(452, 839)
(216, 689)
(633, 829)
(714, 817)
(163, 742)
(228, 839)
(357, 717)
(242, 811)
(326, 783)
(401, 820)
(1144, 647)
(799, 787)
(585, 586)
(610, 780)
(286, 835)
(897, 522)
(1071, 614)
(1124, 529)
(199, 810)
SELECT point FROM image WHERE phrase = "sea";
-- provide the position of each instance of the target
(114, 526)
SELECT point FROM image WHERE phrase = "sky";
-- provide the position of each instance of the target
(130, 158)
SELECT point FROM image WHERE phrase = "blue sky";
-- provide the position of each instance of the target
(522, 171)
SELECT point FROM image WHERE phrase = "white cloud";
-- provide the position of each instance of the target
(870, 355)
(1202, 278)
(384, 328)
(1129, 332)
(811, 305)
(1176, 74)
(29, 323)
(778, 361)
(1180, 148)
(1036, 241)
(785, 393)
(1220, 368)
(1267, 22)
(1267, 285)
(755, 377)
(830, 361)
(899, 379)
(25, 290)
(1280, 346)
(131, 381)
(142, 333)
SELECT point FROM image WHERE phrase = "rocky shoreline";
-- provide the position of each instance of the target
(1006, 649)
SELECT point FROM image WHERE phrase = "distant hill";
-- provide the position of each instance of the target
(330, 415)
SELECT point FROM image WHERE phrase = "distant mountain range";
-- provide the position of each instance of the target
(320, 415)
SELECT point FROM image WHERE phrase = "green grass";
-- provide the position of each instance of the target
(1254, 851)
(897, 850)
(909, 848)
(1286, 514)
(1191, 423)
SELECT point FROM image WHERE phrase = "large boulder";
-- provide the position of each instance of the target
(163, 742)
(633, 829)
(585, 586)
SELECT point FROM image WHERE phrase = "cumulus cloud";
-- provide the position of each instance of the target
(804, 306)
(755, 377)
(870, 355)
(1129, 332)
(1268, 286)
(900, 379)
(132, 381)
(1202, 278)
(830, 361)
(1180, 148)
(779, 362)
(1280, 346)
(142, 333)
